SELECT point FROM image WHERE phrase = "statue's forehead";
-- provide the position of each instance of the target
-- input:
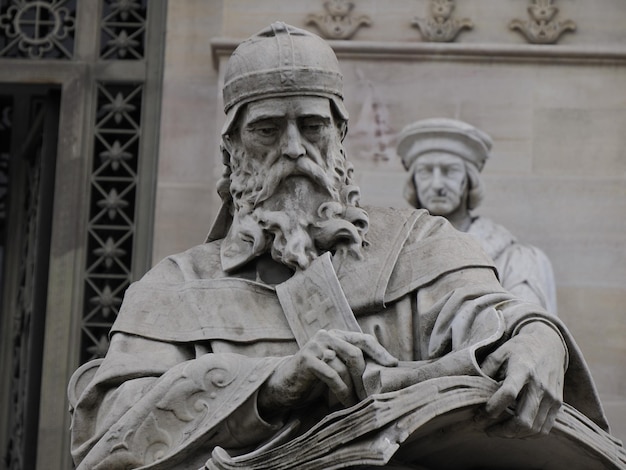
(287, 107)
(439, 157)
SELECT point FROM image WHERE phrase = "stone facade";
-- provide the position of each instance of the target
(556, 113)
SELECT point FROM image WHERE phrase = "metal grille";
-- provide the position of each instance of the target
(111, 225)
(123, 29)
(42, 29)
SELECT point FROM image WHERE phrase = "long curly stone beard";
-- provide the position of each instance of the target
(296, 208)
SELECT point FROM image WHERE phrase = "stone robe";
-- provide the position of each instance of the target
(193, 344)
(524, 270)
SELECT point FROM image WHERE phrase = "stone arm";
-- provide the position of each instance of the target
(158, 405)
(454, 313)
(463, 306)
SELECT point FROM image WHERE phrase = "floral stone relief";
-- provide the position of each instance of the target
(441, 27)
(542, 27)
(338, 22)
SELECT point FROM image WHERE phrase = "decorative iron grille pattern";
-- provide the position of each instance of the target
(123, 29)
(23, 312)
(111, 224)
(41, 29)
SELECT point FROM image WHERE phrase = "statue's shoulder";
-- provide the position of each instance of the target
(385, 220)
(380, 214)
(499, 242)
(404, 252)
(416, 225)
(484, 227)
(198, 262)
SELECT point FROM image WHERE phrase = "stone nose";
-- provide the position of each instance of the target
(292, 142)
(437, 181)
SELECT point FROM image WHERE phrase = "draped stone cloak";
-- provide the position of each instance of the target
(192, 344)
(524, 270)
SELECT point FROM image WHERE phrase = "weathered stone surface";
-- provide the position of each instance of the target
(302, 302)
(518, 98)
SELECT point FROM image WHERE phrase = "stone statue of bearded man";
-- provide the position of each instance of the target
(287, 185)
(302, 304)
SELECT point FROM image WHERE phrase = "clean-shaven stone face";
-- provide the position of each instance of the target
(441, 182)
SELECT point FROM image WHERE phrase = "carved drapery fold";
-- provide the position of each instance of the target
(169, 423)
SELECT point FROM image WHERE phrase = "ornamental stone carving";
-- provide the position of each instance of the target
(123, 30)
(441, 27)
(542, 27)
(338, 22)
(37, 30)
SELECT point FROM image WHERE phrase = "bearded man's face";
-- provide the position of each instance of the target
(290, 183)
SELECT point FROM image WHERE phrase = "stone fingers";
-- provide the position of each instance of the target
(342, 360)
(534, 416)
(368, 345)
(535, 406)
(335, 374)
(504, 397)
(347, 361)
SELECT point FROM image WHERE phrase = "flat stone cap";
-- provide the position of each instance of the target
(443, 135)
(282, 60)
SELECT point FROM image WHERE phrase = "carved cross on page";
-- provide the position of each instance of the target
(313, 299)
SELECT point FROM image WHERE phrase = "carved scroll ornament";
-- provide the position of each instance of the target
(542, 28)
(441, 27)
(338, 22)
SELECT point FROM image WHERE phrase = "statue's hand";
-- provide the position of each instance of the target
(531, 365)
(331, 359)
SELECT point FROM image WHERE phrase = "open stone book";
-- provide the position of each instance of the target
(436, 425)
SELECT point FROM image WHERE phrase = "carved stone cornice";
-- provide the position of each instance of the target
(441, 27)
(222, 48)
(542, 28)
(338, 22)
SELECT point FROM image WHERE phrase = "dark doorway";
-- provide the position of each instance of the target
(29, 116)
